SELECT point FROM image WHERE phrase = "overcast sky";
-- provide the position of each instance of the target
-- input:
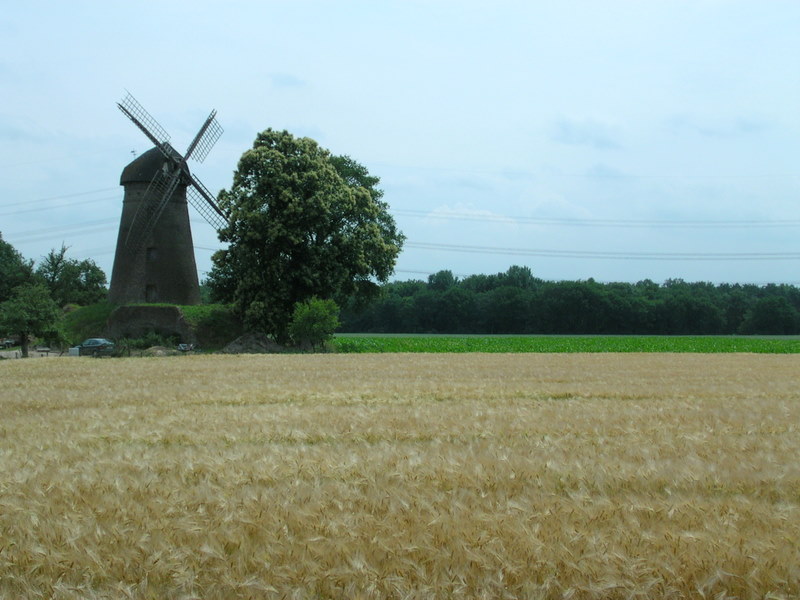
(619, 140)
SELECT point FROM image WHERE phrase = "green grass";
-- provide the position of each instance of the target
(534, 343)
(214, 324)
(87, 321)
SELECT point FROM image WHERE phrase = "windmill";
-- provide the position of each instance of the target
(154, 260)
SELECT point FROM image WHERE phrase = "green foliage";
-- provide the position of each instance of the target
(564, 344)
(442, 281)
(214, 325)
(515, 302)
(14, 270)
(303, 223)
(313, 322)
(72, 281)
(30, 312)
(124, 346)
(773, 315)
(87, 321)
(205, 293)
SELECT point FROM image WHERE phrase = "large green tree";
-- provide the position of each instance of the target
(14, 270)
(29, 312)
(303, 223)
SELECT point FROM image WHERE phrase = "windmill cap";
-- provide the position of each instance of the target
(144, 167)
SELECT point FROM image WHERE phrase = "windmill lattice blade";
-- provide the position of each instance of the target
(201, 199)
(146, 208)
(142, 119)
(205, 139)
(162, 187)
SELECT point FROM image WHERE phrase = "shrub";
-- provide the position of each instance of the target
(124, 346)
(313, 322)
(214, 325)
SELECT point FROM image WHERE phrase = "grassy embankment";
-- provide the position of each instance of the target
(401, 476)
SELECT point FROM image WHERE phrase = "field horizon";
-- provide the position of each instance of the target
(401, 476)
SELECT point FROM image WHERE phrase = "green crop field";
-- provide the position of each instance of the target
(561, 344)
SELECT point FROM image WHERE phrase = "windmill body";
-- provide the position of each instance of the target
(163, 268)
(154, 260)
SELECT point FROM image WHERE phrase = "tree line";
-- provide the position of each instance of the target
(516, 302)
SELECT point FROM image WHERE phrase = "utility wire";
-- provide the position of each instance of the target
(51, 159)
(515, 219)
(62, 197)
(463, 216)
(649, 223)
(102, 225)
(548, 253)
(67, 205)
(50, 236)
(47, 233)
(92, 252)
(64, 228)
(521, 172)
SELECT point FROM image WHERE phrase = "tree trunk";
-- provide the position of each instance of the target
(23, 344)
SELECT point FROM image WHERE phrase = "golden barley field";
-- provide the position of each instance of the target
(401, 476)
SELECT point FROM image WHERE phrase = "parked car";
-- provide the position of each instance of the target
(96, 347)
(7, 343)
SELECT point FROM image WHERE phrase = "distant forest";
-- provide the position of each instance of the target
(516, 302)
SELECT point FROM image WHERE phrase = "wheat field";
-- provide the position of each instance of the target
(401, 476)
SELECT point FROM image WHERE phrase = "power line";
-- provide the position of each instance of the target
(96, 251)
(464, 216)
(50, 236)
(101, 225)
(61, 197)
(43, 234)
(58, 228)
(68, 205)
(548, 253)
(613, 175)
(51, 159)
(649, 223)
(47, 233)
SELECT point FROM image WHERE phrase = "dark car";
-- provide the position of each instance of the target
(96, 347)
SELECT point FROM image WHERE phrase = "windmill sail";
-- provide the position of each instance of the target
(200, 198)
(155, 254)
(159, 193)
(163, 186)
(142, 119)
(205, 139)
